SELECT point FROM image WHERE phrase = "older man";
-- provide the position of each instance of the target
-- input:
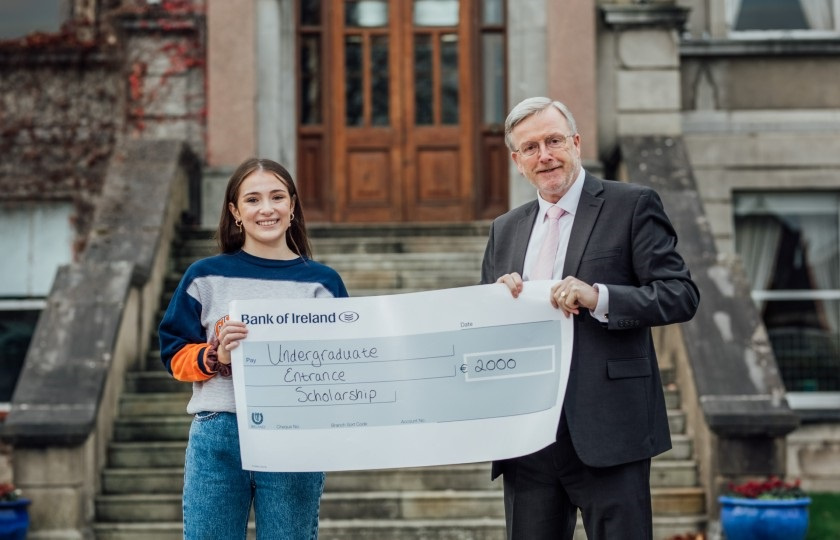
(612, 251)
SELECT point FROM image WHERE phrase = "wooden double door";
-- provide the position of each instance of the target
(400, 137)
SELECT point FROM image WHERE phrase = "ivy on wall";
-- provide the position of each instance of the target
(67, 98)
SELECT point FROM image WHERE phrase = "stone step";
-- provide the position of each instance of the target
(368, 245)
(665, 528)
(154, 380)
(158, 428)
(384, 505)
(172, 428)
(145, 455)
(352, 262)
(676, 421)
(436, 261)
(142, 486)
(365, 239)
(381, 505)
(330, 231)
(155, 404)
(400, 231)
(386, 245)
(166, 475)
(151, 454)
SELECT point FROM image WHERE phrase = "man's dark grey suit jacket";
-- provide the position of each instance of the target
(621, 238)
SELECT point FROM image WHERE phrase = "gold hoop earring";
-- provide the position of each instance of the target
(238, 224)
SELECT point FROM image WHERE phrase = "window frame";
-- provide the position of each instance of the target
(731, 17)
(20, 304)
(65, 12)
(817, 403)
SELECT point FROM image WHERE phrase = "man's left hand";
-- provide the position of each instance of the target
(571, 294)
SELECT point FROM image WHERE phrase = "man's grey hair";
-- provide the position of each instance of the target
(531, 106)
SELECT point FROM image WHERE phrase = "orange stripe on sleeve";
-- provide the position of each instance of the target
(185, 363)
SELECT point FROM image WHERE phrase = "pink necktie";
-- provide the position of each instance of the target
(544, 267)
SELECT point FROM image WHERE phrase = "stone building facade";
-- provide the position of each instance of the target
(755, 100)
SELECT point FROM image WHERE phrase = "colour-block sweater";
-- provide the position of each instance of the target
(199, 307)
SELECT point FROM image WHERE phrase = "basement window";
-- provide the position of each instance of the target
(790, 247)
(37, 239)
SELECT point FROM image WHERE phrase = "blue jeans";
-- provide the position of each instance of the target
(218, 492)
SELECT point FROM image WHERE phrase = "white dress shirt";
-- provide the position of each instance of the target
(569, 203)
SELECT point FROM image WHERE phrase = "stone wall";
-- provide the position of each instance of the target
(66, 99)
(165, 61)
(60, 113)
(751, 122)
(813, 455)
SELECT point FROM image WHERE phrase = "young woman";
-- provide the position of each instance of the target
(265, 253)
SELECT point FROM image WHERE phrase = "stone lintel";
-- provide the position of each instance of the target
(637, 16)
(765, 47)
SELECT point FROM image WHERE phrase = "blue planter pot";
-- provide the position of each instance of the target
(764, 519)
(14, 519)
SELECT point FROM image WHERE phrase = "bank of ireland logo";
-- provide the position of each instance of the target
(348, 316)
(257, 418)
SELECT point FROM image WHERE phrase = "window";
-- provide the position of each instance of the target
(790, 245)
(783, 18)
(21, 17)
(37, 239)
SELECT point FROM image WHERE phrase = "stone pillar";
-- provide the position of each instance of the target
(572, 52)
(276, 89)
(61, 482)
(639, 78)
(231, 82)
(527, 31)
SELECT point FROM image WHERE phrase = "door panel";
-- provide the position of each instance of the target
(367, 155)
(439, 175)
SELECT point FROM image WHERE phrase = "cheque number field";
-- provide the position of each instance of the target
(482, 366)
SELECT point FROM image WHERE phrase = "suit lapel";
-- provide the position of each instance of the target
(588, 209)
(521, 236)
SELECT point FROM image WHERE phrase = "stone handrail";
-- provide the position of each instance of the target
(96, 326)
(724, 363)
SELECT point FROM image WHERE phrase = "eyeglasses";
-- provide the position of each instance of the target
(555, 141)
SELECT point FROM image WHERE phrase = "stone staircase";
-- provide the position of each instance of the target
(141, 487)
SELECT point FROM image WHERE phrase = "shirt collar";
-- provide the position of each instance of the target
(567, 202)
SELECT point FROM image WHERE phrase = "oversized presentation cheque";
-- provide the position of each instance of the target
(429, 378)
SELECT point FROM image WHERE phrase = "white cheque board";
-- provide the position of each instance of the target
(430, 378)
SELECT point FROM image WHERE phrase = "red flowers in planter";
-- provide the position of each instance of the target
(772, 488)
(9, 493)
